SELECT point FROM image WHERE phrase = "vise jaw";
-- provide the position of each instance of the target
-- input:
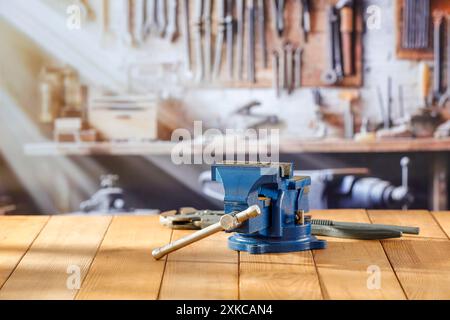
(283, 200)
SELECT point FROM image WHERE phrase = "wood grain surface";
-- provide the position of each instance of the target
(66, 246)
(345, 266)
(114, 259)
(124, 267)
(16, 236)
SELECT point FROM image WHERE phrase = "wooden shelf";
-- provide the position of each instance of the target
(347, 146)
(288, 146)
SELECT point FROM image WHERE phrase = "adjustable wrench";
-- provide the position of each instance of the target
(162, 20)
(172, 26)
(229, 20)
(446, 96)
(251, 41)
(220, 37)
(187, 35)
(197, 26)
(208, 37)
(262, 31)
(438, 19)
(240, 37)
(330, 76)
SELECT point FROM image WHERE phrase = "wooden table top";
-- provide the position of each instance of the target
(40, 258)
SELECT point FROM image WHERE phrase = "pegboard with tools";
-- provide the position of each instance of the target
(281, 44)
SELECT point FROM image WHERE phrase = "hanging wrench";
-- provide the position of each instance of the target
(207, 21)
(438, 18)
(139, 21)
(446, 96)
(128, 24)
(298, 68)
(330, 76)
(151, 22)
(229, 21)
(251, 41)
(187, 35)
(278, 15)
(197, 26)
(240, 37)
(162, 17)
(105, 18)
(276, 73)
(262, 31)
(221, 20)
(172, 26)
(289, 49)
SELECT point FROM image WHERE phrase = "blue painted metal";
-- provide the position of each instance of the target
(280, 197)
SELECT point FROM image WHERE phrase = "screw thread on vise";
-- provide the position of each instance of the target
(322, 222)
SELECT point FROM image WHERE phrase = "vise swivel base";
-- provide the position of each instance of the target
(265, 207)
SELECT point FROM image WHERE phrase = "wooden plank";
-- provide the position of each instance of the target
(416, 218)
(211, 249)
(344, 267)
(200, 281)
(422, 266)
(299, 258)
(66, 242)
(443, 218)
(124, 267)
(195, 271)
(267, 281)
(16, 236)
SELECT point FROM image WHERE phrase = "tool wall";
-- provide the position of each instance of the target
(260, 44)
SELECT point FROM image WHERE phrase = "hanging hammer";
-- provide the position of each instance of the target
(346, 8)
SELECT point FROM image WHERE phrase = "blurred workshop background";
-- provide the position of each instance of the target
(91, 92)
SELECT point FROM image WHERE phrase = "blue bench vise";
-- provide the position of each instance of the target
(282, 225)
(265, 206)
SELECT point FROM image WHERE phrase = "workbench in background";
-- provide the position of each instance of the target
(114, 257)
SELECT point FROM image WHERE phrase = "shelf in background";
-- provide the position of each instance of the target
(349, 146)
(288, 146)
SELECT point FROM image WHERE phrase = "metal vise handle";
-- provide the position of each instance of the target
(227, 223)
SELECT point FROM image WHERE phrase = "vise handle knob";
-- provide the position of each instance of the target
(227, 222)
